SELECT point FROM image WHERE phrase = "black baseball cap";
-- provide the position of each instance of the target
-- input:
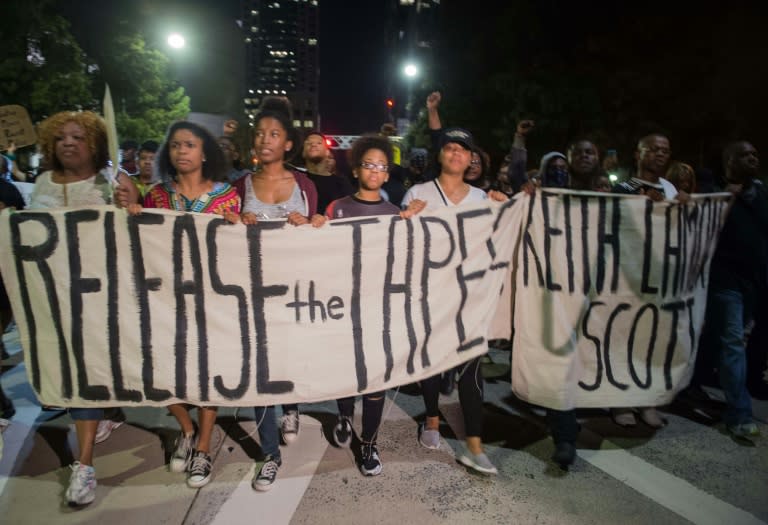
(459, 136)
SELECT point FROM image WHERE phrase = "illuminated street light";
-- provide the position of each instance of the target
(176, 41)
(410, 70)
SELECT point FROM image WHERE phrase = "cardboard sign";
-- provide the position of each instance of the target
(15, 126)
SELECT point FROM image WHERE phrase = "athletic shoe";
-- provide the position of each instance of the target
(105, 428)
(342, 432)
(429, 438)
(479, 462)
(650, 416)
(199, 470)
(182, 454)
(565, 454)
(82, 485)
(370, 463)
(624, 417)
(289, 426)
(265, 478)
(744, 430)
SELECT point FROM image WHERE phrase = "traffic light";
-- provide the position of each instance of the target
(390, 103)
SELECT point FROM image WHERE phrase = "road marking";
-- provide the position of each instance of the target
(674, 493)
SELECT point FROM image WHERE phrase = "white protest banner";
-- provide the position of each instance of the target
(166, 307)
(610, 297)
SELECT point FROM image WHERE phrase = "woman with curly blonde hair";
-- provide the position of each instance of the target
(75, 146)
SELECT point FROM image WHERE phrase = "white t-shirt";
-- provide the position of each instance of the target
(433, 195)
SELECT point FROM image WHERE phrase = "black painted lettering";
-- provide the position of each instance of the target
(528, 246)
(113, 313)
(335, 303)
(38, 254)
(598, 354)
(354, 309)
(464, 278)
(144, 285)
(648, 250)
(607, 346)
(430, 264)
(610, 239)
(549, 232)
(390, 288)
(259, 294)
(79, 286)
(651, 345)
(229, 290)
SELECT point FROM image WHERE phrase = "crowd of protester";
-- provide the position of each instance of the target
(296, 178)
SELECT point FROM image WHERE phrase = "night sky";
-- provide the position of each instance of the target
(352, 88)
(708, 49)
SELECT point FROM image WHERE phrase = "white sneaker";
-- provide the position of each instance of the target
(105, 428)
(289, 426)
(82, 485)
(429, 438)
(182, 454)
(479, 462)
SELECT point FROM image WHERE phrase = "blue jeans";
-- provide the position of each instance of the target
(269, 436)
(728, 313)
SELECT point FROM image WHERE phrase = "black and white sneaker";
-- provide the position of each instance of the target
(182, 454)
(289, 426)
(199, 470)
(265, 477)
(370, 463)
(342, 432)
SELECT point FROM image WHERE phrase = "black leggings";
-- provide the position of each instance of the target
(470, 396)
(373, 408)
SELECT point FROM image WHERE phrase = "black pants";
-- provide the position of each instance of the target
(470, 396)
(563, 425)
(373, 408)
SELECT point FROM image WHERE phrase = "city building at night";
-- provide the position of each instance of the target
(282, 56)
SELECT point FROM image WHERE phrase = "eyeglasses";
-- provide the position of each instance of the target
(377, 167)
(475, 162)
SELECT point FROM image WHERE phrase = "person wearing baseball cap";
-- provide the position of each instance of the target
(448, 190)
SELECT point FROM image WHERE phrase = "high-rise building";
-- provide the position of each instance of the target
(282, 56)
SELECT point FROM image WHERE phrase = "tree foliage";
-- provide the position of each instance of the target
(43, 68)
(147, 99)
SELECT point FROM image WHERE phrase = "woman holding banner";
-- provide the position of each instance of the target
(75, 146)
(194, 176)
(273, 192)
(450, 189)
